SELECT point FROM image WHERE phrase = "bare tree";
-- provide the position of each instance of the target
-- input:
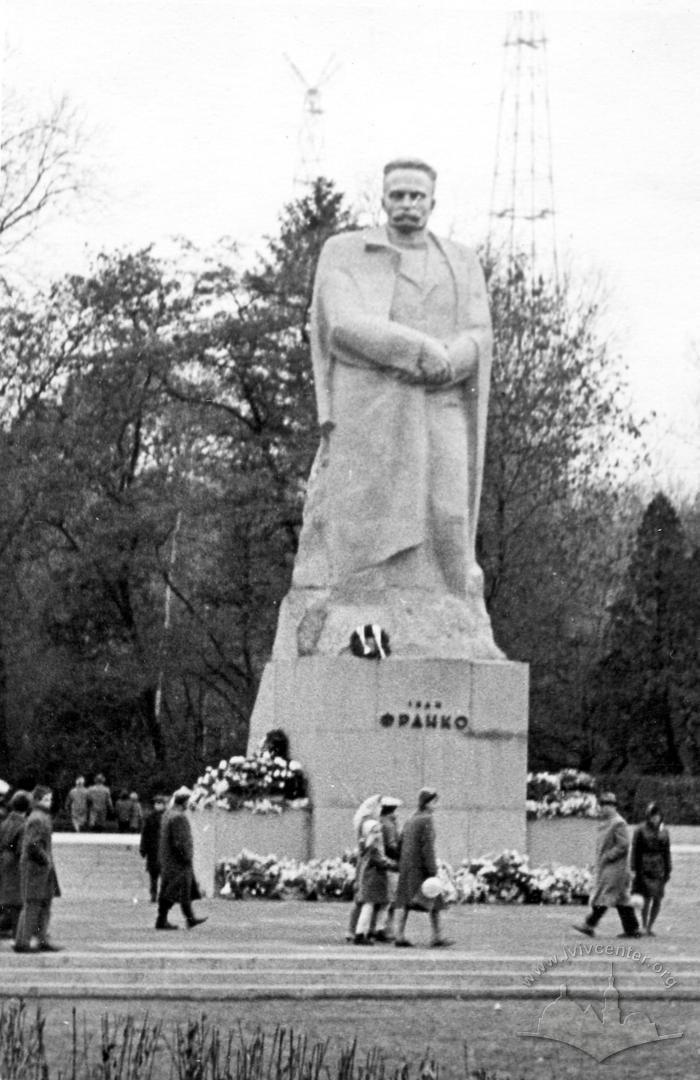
(42, 168)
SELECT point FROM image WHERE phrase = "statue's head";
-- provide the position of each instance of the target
(408, 195)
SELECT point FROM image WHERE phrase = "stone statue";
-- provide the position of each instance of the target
(401, 349)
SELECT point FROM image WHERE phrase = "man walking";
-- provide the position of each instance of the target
(39, 883)
(149, 847)
(99, 804)
(77, 804)
(613, 877)
(418, 863)
(177, 884)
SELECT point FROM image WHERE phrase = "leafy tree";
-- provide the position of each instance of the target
(647, 692)
(167, 467)
(553, 510)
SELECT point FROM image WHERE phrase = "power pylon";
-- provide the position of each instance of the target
(522, 214)
(311, 148)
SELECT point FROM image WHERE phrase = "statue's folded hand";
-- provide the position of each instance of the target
(434, 364)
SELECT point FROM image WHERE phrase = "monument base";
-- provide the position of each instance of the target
(361, 727)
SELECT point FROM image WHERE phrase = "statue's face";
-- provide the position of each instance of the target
(408, 200)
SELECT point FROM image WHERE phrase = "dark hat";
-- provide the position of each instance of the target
(607, 799)
(21, 801)
(182, 795)
(425, 796)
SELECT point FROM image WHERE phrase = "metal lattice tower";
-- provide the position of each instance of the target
(522, 214)
(310, 158)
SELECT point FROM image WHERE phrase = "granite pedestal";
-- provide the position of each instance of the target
(393, 726)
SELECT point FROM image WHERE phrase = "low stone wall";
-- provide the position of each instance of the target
(561, 841)
(222, 834)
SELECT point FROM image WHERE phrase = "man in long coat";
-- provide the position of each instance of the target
(613, 877)
(149, 845)
(11, 834)
(401, 350)
(417, 863)
(176, 852)
(39, 882)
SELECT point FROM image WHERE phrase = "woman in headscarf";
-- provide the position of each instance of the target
(370, 809)
(651, 864)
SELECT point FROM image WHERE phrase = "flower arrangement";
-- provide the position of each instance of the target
(250, 876)
(569, 793)
(504, 879)
(263, 783)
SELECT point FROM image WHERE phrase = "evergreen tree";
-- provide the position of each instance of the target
(644, 698)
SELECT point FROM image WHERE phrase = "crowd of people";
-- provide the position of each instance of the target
(28, 878)
(397, 869)
(92, 808)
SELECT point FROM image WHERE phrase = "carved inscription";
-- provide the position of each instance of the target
(420, 714)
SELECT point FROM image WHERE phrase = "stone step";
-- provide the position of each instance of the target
(188, 991)
(384, 960)
(352, 974)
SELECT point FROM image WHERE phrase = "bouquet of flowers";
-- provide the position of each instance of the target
(249, 875)
(262, 783)
(503, 879)
(569, 793)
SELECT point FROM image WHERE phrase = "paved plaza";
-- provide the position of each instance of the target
(296, 949)
(287, 963)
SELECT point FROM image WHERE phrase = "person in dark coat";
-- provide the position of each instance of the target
(135, 812)
(38, 880)
(651, 864)
(612, 884)
(122, 811)
(99, 804)
(417, 863)
(391, 838)
(372, 880)
(11, 833)
(149, 847)
(176, 851)
(368, 809)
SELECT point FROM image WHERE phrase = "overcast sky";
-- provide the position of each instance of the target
(195, 114)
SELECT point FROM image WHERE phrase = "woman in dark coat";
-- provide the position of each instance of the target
(176, 851)
(11, 833)
(417, 863)
(651, 864)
